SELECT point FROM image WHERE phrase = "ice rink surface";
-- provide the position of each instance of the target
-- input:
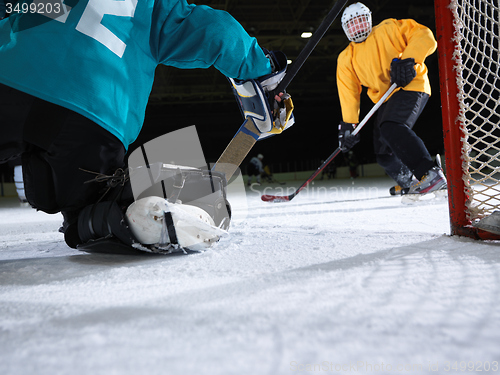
(343, 279)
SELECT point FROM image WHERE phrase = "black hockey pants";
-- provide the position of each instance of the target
(61, 151)
(399, 150)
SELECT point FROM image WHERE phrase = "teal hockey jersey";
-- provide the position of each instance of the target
(98, 57)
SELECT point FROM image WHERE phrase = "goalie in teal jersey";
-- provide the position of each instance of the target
(75, 81)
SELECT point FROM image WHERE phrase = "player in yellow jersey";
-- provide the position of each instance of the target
(394, 51)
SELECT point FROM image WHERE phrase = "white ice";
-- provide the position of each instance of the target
(343, 279)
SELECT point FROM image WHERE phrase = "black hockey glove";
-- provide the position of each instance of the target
(277, 59)
(403, 71)
(270, 82)
(346, 139)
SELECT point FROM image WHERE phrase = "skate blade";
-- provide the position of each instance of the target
(441, 194)
(432, 197)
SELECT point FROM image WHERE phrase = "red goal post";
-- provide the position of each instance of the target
(467, 34)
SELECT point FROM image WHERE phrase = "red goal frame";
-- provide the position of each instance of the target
(452, 134)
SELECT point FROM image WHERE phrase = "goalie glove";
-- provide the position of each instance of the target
(403, 71)
(346, 139)
(257, 98)
(282, 114)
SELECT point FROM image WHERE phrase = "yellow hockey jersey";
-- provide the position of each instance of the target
(368, 63)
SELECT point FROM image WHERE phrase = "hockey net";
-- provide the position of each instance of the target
(468, 35)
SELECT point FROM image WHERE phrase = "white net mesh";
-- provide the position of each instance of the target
(477, 64)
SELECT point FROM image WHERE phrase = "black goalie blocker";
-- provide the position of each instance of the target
(255, 98)
(178, 209)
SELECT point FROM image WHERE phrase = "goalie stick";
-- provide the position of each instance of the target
(287, 198)
(247, 135)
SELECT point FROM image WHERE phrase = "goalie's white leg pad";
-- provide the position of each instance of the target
(194, 228)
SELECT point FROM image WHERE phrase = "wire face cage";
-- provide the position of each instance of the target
(468, 38)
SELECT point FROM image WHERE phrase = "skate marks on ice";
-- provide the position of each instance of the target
(256, 310)
(316, 208)
(47, 269)
(438, 298)
(408, 304)
(40, 258)
(346, 205)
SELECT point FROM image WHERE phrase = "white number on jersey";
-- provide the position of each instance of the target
(90, 22)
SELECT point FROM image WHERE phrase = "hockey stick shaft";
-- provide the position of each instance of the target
(311, 44)
(287, 198)
(246, 137)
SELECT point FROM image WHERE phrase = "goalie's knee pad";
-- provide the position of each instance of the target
(39, 183)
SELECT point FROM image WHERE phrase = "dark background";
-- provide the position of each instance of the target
(203, 97)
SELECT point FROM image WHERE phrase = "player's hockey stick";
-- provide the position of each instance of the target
(247, 135)
(287, 198)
